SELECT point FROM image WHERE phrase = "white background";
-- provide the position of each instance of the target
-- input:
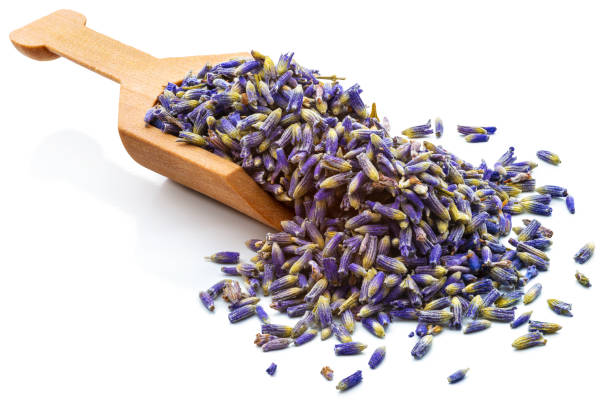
(101, 260)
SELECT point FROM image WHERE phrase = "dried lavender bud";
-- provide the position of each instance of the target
(261, 339)
(277, 330)
(585, 253)
(244, 302)
(216, 289)
(553, 191)
(479, 287)
(307, 336)
(529, 340)
(532, 293)
(522, 319)
(225, 257)
(261, 313)
(230, 270)
(422, 347)
(350, 381)
(476, 326)
(580, 277)
(373, 326)
(327, 373)
(509, 299)
(272, 369)
(276, 344)
(418, 131)
(377, 357)
(543, 327)
(560, 308)
(466, 130)
(474, 307)
(341, 333)
(347, 349)
(457, 376)
(548, 157)
(207, 300)
(241, 313)
(477, 138)
(439, 128)
(569, 202)
(405, 314)
(435, 316)
(421, 329)
(537, 208)
(497, 314)
(232, 292)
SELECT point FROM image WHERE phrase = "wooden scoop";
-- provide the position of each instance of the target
(142, 78)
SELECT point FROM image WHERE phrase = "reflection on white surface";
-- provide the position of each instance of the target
(166, 213)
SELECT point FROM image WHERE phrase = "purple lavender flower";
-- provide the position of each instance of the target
(277, 344)
(207, 300)
(457, 376)
(377, 357)
(272, 369)
(350, 348)
(225, 257)
(585, 253)
(522, 319)
(350, 381)
(422, 347)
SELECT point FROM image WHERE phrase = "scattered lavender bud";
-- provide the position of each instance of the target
(254, 244)
(327, 373)
(457, 376)
(271, 370)
(207, 301)
(560, 308)
(585, 253)
(276, 344)
(476, 326)
(224, 257)
(532, 293)
(497, 314)
(529, 340)
(350, 348)
(261, 313)
(543, 327)
(522, 319)
(581, 278)
(305, 337)
(466, 130)
(418, 131)
(439, 127)
(509, 299)
(350, 381)
(241, 313)
(277, 330)
(477, 138)
(553, 191)
(569, 203)
(261, 339)
(377, 357)
(422, 347)
(548, 157)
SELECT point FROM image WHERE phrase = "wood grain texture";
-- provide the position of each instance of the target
(142, 78)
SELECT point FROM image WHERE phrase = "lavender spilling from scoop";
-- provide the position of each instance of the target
(386, 227)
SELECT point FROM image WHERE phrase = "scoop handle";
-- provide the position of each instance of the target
(63, 33)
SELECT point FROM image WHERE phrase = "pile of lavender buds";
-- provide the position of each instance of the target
(385, 227)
